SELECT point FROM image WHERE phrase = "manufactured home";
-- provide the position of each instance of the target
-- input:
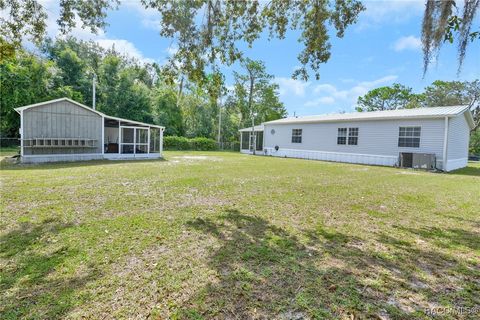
(65, 130)
(430, 138)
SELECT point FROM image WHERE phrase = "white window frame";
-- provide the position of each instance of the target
(297, 135)
(134, 144)
(347, 136)
(405, 136)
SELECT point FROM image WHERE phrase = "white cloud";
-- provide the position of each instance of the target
(124, 47)
(329, 94)
(171, 50)
(149, 18)
(382, 80)
(380, 12)
(149, 23)
(407, 43)
(291, 86)
(320, 101)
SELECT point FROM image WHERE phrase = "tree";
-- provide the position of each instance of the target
(27, 79)
(202, 42)
(254, 93)
(26, 19)
(440, 21)
(72, 68)
(475, 142)
(166, 111)
(132, 90)
(449, 93)
(392, 97)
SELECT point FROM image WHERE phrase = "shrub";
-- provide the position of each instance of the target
(203, 144)
(175, 143)
(182, 143)
(475, 142)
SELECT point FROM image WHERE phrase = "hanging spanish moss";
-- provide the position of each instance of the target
(440, 21)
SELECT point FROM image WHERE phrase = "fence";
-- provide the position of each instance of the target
(229, 146)
(224, 146)
(9, 142)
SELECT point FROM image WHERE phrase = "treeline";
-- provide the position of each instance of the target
(439, 93)
(132, 89)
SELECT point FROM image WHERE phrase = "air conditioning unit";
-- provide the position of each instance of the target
(425, 161)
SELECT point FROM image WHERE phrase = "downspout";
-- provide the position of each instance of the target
(161, 142)
(445, 146)
(103, 134)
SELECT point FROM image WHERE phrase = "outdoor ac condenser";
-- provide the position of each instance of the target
(425, 161)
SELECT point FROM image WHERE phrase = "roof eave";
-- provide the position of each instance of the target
(469, 116)
(359, 119)
(20, 109)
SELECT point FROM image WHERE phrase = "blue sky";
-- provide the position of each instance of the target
(382, 48)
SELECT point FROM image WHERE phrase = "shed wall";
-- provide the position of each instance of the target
(62, 120)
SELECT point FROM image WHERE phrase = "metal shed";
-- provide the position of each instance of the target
(65, 130)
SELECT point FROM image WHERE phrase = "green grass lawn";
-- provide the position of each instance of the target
(9, 151)
(229, 236)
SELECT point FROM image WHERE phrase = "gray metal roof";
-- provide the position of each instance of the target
(434, 112)
(19, 109)
(256, 128)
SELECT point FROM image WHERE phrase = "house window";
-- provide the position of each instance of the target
(342, 136)
(351, 133)
(296, 135)
(353, 136)
(409, 137)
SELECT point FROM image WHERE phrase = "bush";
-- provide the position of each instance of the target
(175, 143)
(475, 142)
(182, 143)
(203, 144)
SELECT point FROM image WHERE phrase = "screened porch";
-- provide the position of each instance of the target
(251, 140)
(131, 139)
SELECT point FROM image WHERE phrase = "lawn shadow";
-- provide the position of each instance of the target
(471, 170)
(29, 284)
(448, 238)
(263, 271)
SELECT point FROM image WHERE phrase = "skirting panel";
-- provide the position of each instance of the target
(455, 164)
(86, 157)
(380, 160)
(61, 157)
(139, 156)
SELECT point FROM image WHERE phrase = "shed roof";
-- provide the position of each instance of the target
(19, 109)
(434, 112)
(256, 128)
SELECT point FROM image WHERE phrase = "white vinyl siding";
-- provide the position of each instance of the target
(378, 137)
(458, 140)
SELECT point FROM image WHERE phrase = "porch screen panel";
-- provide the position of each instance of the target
(245, 140)
(128, 143)
(141, 143)
(259, 142)
(154, 140)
